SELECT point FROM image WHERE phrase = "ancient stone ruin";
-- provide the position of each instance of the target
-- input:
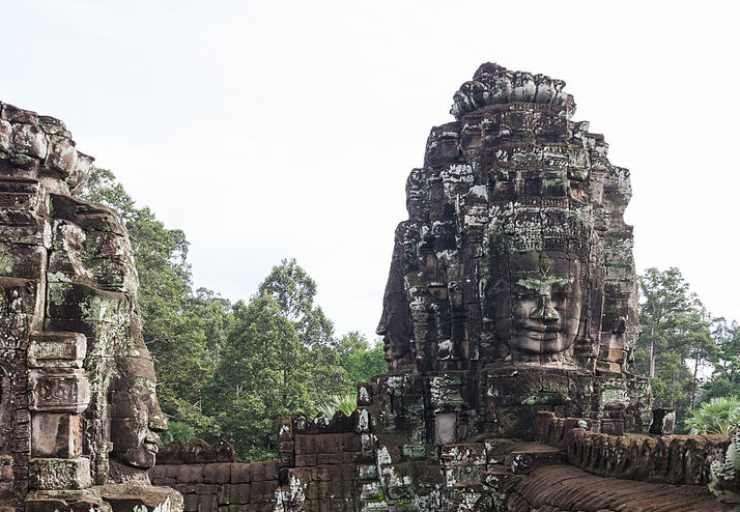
(512, 284)
(79, 411)
(509, 318)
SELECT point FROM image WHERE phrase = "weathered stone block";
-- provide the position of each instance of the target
(330, 458)
(206, 489)
(141, 498)
(58, 474)
(190, 474)
(190, 502)
(56, 435)
(262, 492)
(57, 350)
(262, 471)
(239, 494)
(19, 260)
(65, 501)
(164, 474)
(305, 460)
(186, 488)
(59, 390)
(445, 428)
(241, 473)
(218, 473)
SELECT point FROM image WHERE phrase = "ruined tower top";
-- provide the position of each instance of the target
(515, 252)
(493, 84)
(37, 146)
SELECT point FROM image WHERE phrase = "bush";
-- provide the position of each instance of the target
(718, 416)
(345, 404)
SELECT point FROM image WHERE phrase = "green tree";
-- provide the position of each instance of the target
(295, 292)
(280, 358)
(265, 372)
(725, 359)
(359, 359)
(675, 339)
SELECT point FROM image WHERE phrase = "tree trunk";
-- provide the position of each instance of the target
(694, 383)
(653, 351)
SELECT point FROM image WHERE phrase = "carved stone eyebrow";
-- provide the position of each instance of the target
(543, 283)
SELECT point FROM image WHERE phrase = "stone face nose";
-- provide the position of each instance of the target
(545, 310)
(158, 422)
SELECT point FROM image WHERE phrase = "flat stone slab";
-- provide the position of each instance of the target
(141, 498)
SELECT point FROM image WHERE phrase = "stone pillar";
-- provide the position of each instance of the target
(60, 393)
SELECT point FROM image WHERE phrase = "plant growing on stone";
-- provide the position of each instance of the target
(345, 404)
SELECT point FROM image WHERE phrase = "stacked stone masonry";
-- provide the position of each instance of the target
(78, 411)
(509, 318)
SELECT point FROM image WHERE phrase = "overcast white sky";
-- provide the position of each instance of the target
(268, 129)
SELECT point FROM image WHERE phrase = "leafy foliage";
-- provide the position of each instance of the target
(679, 344)
(359, 358)
(725, 361)
(344, 404)
(281, 358)
(675, 339)
(717, 416)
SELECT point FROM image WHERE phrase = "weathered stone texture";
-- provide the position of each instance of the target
(509, 317)
(77, 402)
(516, 204)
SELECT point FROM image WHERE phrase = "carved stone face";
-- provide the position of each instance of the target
(415, 194)
(539, 307)
(136, 417)
(442, 145)
(91, 248)
(394, 350)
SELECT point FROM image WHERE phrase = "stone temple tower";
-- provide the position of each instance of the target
(512, 287)
(79, 414)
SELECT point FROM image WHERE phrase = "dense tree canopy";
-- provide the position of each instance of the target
(725, 359)
(680, 344)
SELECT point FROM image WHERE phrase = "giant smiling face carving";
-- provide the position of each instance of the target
(539, 305)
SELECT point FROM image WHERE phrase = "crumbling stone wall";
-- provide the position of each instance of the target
(317, 471)
(220, 485)
(672, 459)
